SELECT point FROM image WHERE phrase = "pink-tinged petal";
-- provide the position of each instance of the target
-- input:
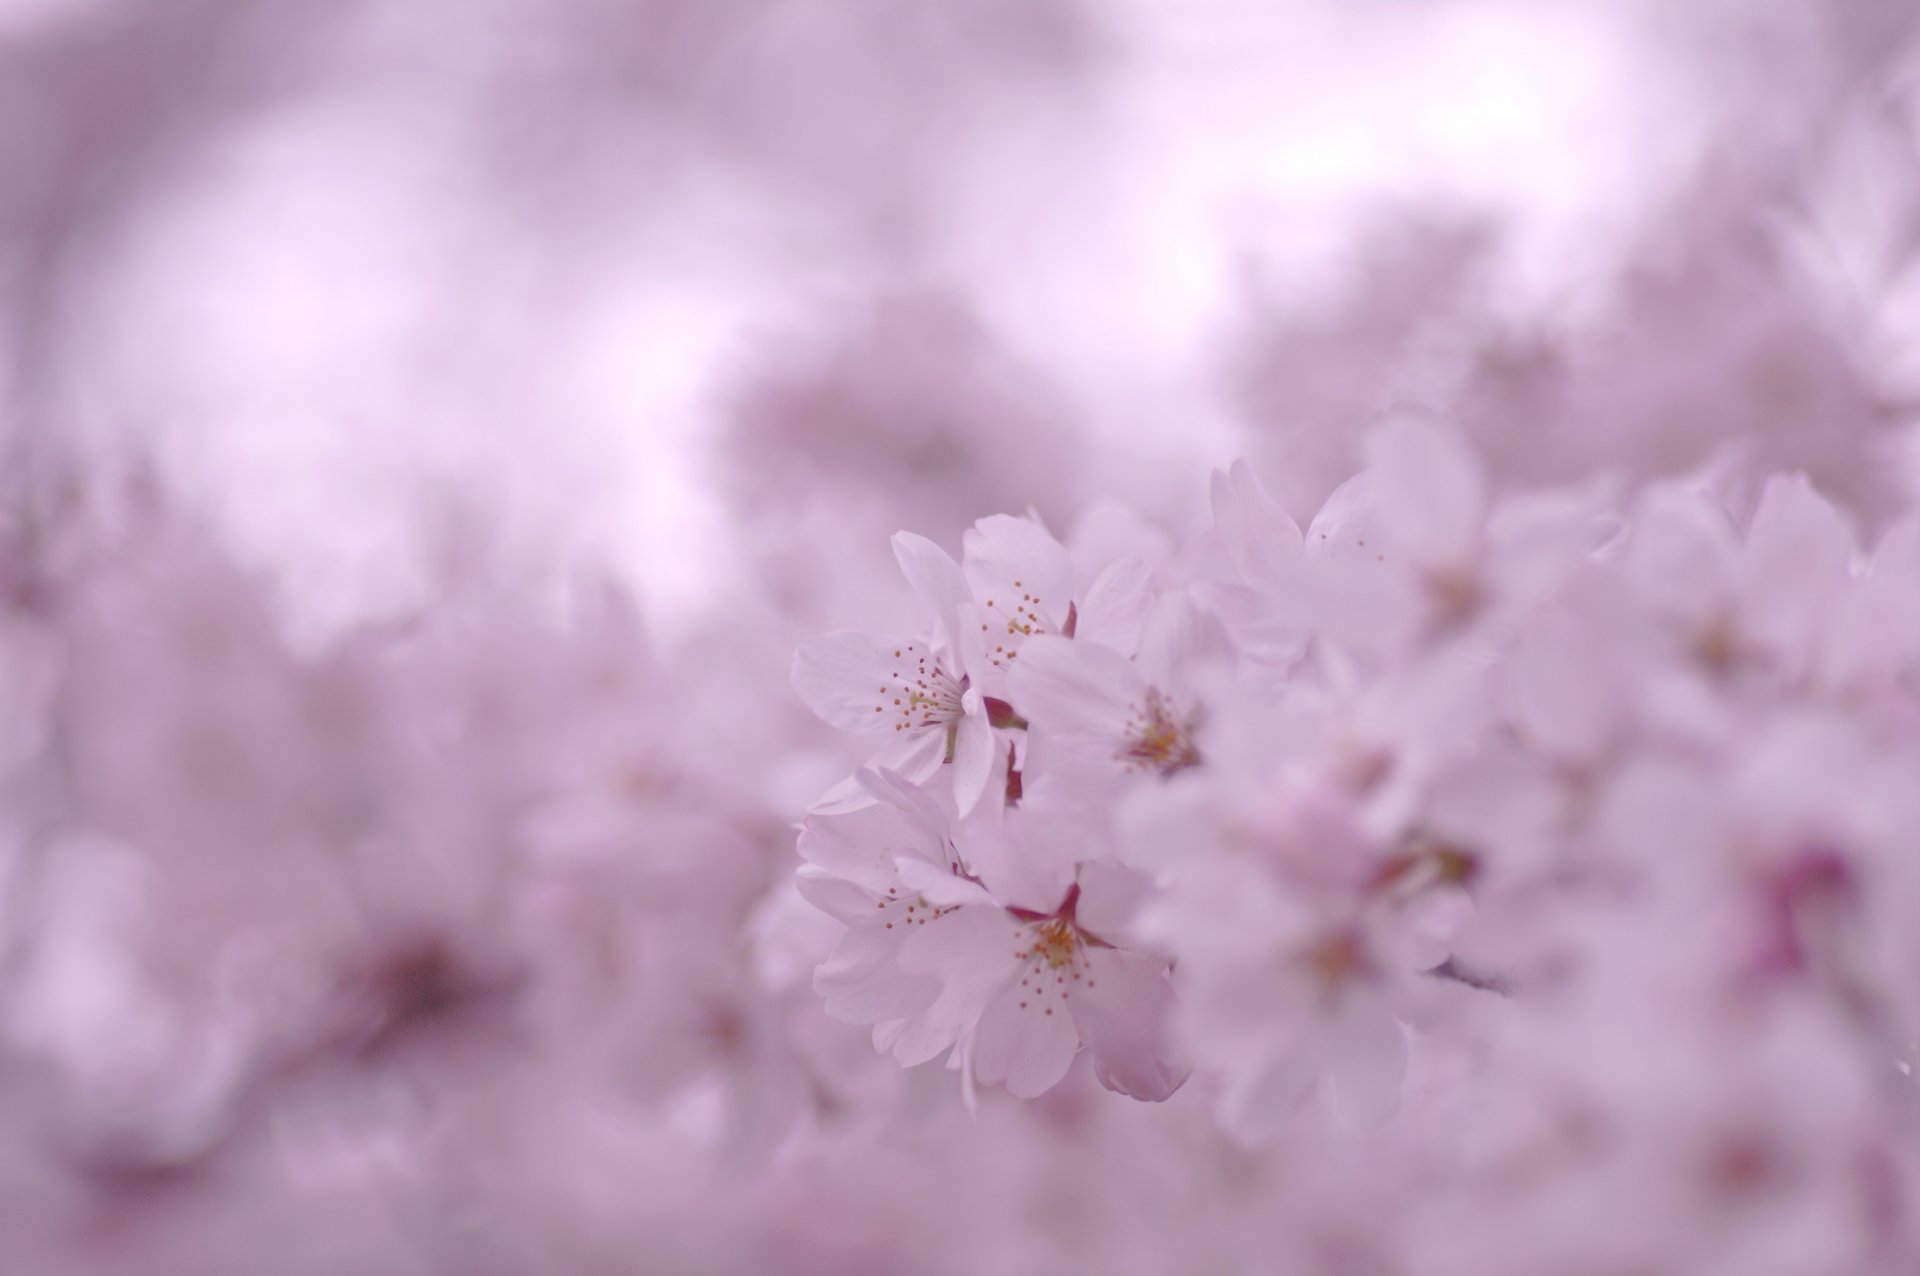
(1069, 687)
(971, 951)
(914, 1041)
(974, 943)
(1366, 1063)
(1015, 562)
(846, 677)
(862, 982)
(970, 646)
(935, 579)
(1023, 1044)
(861, 845)
(1259, 538)
(1430, 491)
(1111, 896)
(912, 755)
(832, 895)
(1115, 604)
(912, 801)
(1682, 554)
(1345, 525)
(1121, 1010)
(1177, 641)
(973, 758)
(937, 884)
(1265, 633)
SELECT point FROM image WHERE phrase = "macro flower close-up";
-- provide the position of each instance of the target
(836, 638)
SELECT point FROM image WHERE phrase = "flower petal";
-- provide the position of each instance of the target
(1258, 536)
(1016, 562)
(1076, 690)
(846, 678)
(973, 758)
(1121, 1012)
(862, 981)
(1024, 1045)
(1115, 604)
(935, 579)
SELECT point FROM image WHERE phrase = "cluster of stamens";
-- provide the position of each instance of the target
(1054, 962)
(918, 911)
(922, 693)
(1158, 738)
(1024, 621)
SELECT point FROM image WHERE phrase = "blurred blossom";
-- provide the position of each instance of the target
(645, 636)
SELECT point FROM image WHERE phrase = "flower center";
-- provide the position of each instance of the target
(921, 691)
(1158, 738)
(1054, 960)
(1019, 620)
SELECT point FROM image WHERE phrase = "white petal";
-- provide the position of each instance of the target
(862, 982)
(1121, 1011)
(907, 797)
(861, 845)
(1115, 604)
(1177, 641)
(972, 760)
(1080, 691)
(912, 755)
(845, 678)
(1004, 553)
(972, 952)
(1265, 632)
(935, 578)
(980, 941)
(1346, 521)
(919, 1039)
(1257, 535)
(938, 885)
(1024, 1043)
(835, 896)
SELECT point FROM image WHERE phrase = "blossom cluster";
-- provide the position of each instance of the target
(1551, 848)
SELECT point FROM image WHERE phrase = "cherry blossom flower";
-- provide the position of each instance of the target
(1092, 709)
(1039, 983)
(918, 693)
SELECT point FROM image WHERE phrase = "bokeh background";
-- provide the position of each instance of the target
(426, 428)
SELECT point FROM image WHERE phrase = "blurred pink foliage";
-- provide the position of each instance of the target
(617, 653)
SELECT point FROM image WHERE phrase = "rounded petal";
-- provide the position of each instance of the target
(1259, 537)
(862, 982)
(973, 758)
(847, 677)
(1115, 604)
(1024, 1045)
(1015, 562)
(1121, 1012)
(1074, 689)
(935, 579)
